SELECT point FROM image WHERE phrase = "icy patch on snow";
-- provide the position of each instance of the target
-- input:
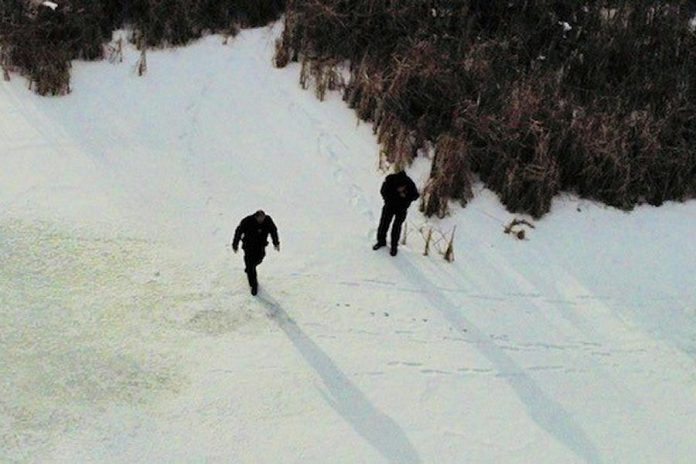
(71, 328)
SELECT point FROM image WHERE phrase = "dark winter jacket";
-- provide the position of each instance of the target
(390, 191)
(253, 235)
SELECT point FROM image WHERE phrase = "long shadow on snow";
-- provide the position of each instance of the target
(546, 412)
(378, 429)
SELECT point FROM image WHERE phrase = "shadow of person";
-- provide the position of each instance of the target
(375, 427)
(546, 412)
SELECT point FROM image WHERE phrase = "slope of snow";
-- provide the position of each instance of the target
(127, 333)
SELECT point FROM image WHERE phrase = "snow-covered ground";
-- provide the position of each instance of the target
(127, 333)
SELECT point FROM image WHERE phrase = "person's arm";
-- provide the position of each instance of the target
(274, 234)
(414, 191)
(384, 190)
(237, 236)
(388, 189)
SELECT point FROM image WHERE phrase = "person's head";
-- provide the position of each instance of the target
(260, 216)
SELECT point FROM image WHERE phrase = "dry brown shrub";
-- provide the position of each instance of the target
(281, 57)
(323, 73)
(398, 142)
(450, 176)
(603, 108)
(40, 42)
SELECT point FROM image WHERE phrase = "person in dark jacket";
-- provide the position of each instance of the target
(398, 191)
(253, 231)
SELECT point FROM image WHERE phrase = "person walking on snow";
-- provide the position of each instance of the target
(398, 191)
(253, 231)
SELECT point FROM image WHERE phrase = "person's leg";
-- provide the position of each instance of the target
(260, 255)
(384, 221)
(399, 219)
(254, 261)
(250, 263)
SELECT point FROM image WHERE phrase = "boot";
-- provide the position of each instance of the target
(378, 245)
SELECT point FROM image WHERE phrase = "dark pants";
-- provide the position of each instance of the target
(252, 258)
(389, 213)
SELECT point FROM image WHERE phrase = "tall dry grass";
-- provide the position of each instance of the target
(532, 97)
(40, 43)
